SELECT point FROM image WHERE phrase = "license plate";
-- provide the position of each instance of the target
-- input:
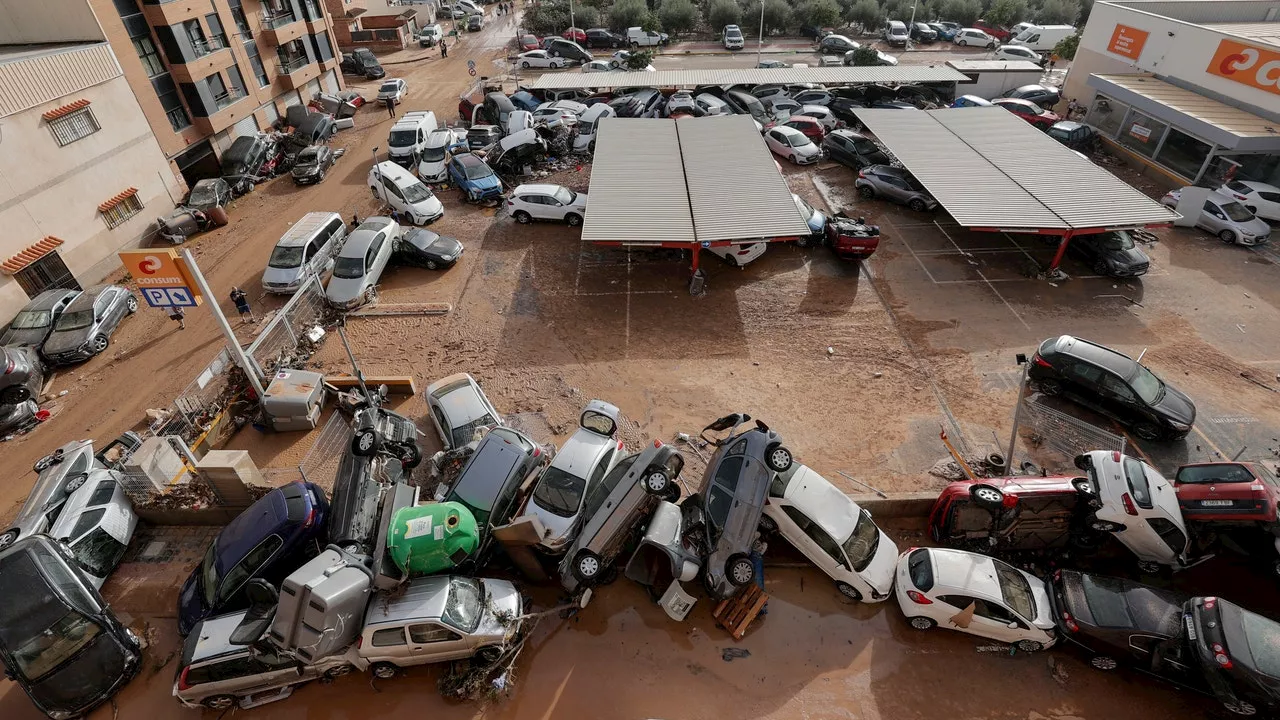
(1191, 628)
(1215, 503)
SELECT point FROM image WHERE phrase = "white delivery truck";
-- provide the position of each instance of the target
(408, 137)
(1043, 38)
(992, 78)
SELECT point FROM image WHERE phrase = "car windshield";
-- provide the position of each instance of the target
(402, 138)
(797, 139)
(465, 604)
(433, 154)
(564, 195)
(286, 257)
(209, 574)
(203, 194)
(1236, 212)
(805, 208)
(862, 543)
(97, 553)
(74, 320)
(1139, 485)
(1015, 589)
(1147, 385)
(349, 267)
(560, 492)
(415, 193)
(388, 88)
(463, 434)
(1118, 240)
(477, 171)
(866, 147)
(50, 647)
(31, 319)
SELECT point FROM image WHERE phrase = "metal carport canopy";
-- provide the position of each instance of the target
(785, 76)
(993, 170)
(637, 192)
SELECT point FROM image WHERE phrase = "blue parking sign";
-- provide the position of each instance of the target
(164, 297)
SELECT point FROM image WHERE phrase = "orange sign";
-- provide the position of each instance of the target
(1247, 65)
(1127, 41)
(159, 268)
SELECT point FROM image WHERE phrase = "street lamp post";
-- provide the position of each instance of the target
(911, 25)
(571, 34)
(760, 38)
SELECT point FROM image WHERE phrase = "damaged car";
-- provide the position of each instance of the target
(426, 249)
(583, 460)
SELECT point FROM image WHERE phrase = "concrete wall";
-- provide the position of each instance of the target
(24, 22)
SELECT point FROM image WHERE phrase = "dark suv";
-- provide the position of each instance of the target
(602, 38)
(1113, 384)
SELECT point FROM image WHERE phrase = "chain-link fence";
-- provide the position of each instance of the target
(286, 332)
(197, 404)
(1057, 432)
(320, 465)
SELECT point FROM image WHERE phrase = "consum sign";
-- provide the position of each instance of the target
(1248, 65)
(1127, 41)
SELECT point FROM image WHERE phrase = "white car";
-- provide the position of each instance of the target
(547, 202)
(1017, 52)
(580, 463)
(792, 145)
(433, 164)
(974, 37)
(821, 113)
(584, 133)
(360, 262)
(833, 532)
(1258, 198)
(1224, 216)
(540, 59)
(738, 255)
(392, 89)
(568, 111)
(733, 39)
(975, 594)
(1138, 506)
(458, 409)
(596, 66)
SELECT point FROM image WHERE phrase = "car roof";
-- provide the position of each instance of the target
(850, 134)
(299, 232)
(580, 451)
(1032, 88)
(787, 130)
(87, 298)
(420, 598)
(1106, 598)
(247, 529)
(969, 572)
(462, 404)
(359, 241)
(536, 188)
(1253, 185)
(1092, 352)
(488, 469)
(822, 502)
(213, 637)
(468, 159)
(47, 299)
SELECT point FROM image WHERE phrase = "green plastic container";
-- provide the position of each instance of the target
(431, 538)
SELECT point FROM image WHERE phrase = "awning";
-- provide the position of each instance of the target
(31, 254)
(118, 199)
(56, 113)
(785, 76)
(1217, 122)
(992, 170)
(694, 180)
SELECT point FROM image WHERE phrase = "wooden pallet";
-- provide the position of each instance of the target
(736, 613)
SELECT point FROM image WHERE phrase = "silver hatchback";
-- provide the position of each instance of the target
(895, 184)
(1226, 218)
(84, 329)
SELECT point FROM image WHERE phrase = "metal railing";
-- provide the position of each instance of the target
(320, 464)
(278, 21)
(207, 46)
(276, 345)
(1059, 432)
(293, 65)
(229, 98)
(198, 404)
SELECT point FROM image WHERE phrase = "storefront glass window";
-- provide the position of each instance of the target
(1183, 153)
(1106, 115)
(1141, 133)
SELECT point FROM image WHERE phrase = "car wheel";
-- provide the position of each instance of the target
(673, 494)
(733, 261)
(337, 672)
(1082, 486)
(635, 45)
(987, 496)
(384, 670)
(99, 343)
(16, 394)
(1029, 646)
(586, 566)
(219, 702)
(1105, 526)
(47, 461)
(489, 655)
(1100, 268)
(1227, 237)
(1240, 707)
(574, 219)
(522, 217)
(1148, 567)
(74, 482)
(555, 66)
(1102, 662)
(778, 458)
(740, 570)
(917, 205)
(320, 177)
(1049, 387)
(867, 192)
(8, 539)
(849, 591)
(768, 525)
(1146, 431)
(962, 43)
(131, 304)
(365, 443)
(410, 456)
(921, 622)
(656, 481)
(991, 46)
(431, 265)
(525, 64)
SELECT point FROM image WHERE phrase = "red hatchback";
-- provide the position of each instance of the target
(577, 35)
(1014, 513)
(811, 128)
(528, 42)
(994, 31)
(1230, 492)
(1028, 111)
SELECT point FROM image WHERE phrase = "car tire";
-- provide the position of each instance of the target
(849, 591)
(410, 456)
(47, 461)
(739, 570)
(1049, 387)
(431, 265)
(587, 567)
(131, 304)
(522, 217)
(768, 525)
(16, 394)
(962, 42)
(100, 343)
(365, 443)
(991, 46)
(1227, 237)
(1147, 431)
(489, 655)
(320, 177)
(1029, 646)
(733, 261)
(337, 672)
(778, 458)
(920, 622)
(573, 219)
(8, 539)
(74, 482)
(987, 496)
(867, 192)
(917, 205)
(384, 670)
(219, 702)
(635, 46)
(1105, 526)
(1104, 663)
(525, 64)
(656, 481)
(673, 494)
(1100, 268)
(1240, 707)
(1083, 486)
(1148, 567)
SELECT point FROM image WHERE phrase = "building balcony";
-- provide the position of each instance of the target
(297, 72)
(232, 106)
(352, 8)
(281, 29)
(204, 66)
(174, 12)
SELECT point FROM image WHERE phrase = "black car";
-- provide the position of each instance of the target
(642, 103)
(836, 45)
(1045, 97)
(1074, 135)
(1111, 253)
(315, 128)
(602, 38)
(1239, 653)
(312, 164)
(242, 161)
(921, 32)
(1113, 384)
(560, 47)
(362, 61)
(853, 150)
(423, 248)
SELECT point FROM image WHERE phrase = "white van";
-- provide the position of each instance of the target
(430, 36)
(1043, 37)
(405, 193)
(408, 137)
(584, 137)
(305, 249)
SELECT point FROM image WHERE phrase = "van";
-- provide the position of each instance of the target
(1043, 37)
(430, 36)
(584, 133)
(304, 250)
(639, 37)
(408, 137)
(405, 193)
(895, 33)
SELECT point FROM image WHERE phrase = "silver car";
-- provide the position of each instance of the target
(34, 323)
(84, 329)
(359, 265)
(458, 409)
(581, 463)
(896, 184)
(1223, 216)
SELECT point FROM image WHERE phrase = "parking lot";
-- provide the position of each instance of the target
(857, 366)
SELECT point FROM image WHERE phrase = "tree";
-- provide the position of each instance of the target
(1058, 12)
(723, 12)
(638, 60)
(1005, 13)
(586, 16)
(964, 12)
(1066, 47)
(1086, 7)
(678, 16)
(627, 14)
(865, 13)
(818, 13)
(866, 56)
(777, 16)
(547, 18)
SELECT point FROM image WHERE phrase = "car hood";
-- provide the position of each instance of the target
(429, 207)
(483, 183)
(30, 337)
(808, 150)
(1174, 404)
(66, 340)
(282, 276)
(880, 571)
(445, 246)
(1257, 226)
(346, 292)
(432, 168)
(503, 602)
(1127, 258)
(555, 529)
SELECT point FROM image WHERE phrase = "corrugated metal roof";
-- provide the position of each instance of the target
(1267, 33)
(735, 189)
(1231, 119)
(787, 76)
(989, 168)
(637, 192)
(995, 65)
(29, 79)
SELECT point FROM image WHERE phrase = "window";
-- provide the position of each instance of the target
(74, 126)
(1171, 534)
(242, 22)
(249, 566)
(1141, 133)
(217, 36)
(237, 81)
(388, 637)
(728, 472)
(222, 670)
(920, 569)
(255, 61)
(122, 211)
(167, 91)
(102, 494)
(1116, 387)
(428, 633)
(1183, 153)
(1107, 115)
(1084, 372)
(195, 35)
(98, 553)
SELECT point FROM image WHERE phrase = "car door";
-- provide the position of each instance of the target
(896, 188)
(540, 206)
(776, 142)
(104, 311)
(840, 151)
(431, 642)
(389, 644)
(375, 261)
(815, 543)
(250, 566)
(1212, 219)
(1082, 381)
(992, 619)
(1120, 399)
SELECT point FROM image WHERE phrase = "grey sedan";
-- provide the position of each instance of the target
(458, 409)
(894, 184)
(34, 323)
(84, 329)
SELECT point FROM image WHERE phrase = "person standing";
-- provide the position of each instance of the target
(444, 49)
(242, 304)
(176, 313)
(355, 220)
(391, 106)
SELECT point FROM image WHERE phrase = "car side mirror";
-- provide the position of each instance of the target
(1013, 625)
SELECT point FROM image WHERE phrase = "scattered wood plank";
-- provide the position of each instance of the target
(401, 309)
(397, 384)
(736, 613)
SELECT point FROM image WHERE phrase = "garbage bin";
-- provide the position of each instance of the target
(433, 537)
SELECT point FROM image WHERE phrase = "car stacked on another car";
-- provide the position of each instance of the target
(359, 265)
(1029, 111)
(476, 178)
(793, 145)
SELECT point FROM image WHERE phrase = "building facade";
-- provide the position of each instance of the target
(81, 174)
(1190, 89)
(208, 71)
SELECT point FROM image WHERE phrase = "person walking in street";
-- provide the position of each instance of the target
(444, 49)
(176, 313)
(391, 106)
(242, 304)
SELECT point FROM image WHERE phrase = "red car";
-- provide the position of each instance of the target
(1028, 111)
(1018, 513)
(994, 31)
(1232, 492)
(811, 128)
(851, 239)
(577, 35)
(528, 42)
